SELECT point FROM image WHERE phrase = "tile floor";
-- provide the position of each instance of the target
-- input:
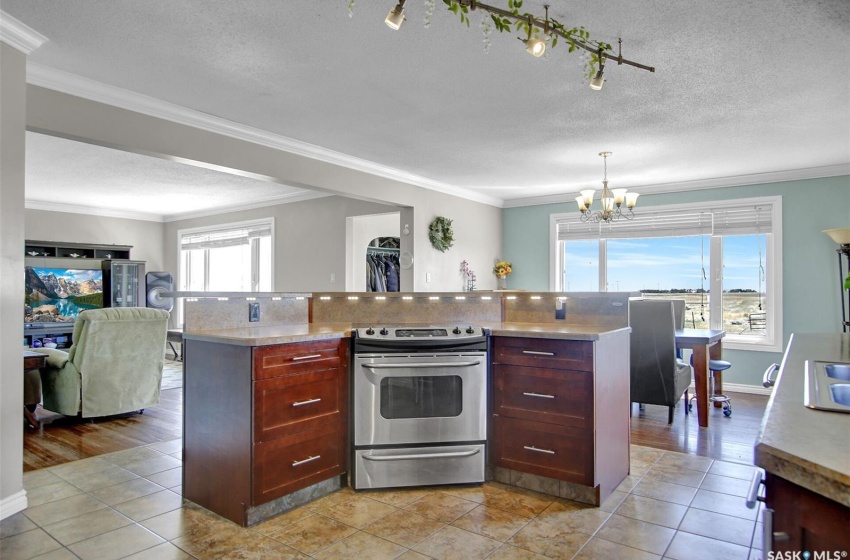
(128, 505)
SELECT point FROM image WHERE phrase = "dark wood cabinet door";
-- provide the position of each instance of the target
(287, 464)
(298, 357)
(295, 403)
(544, 395)
(811, 521)
(543, 449)
(543, 352)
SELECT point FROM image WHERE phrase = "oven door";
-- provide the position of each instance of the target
(408, 399)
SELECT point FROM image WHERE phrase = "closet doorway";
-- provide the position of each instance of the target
(364, 237)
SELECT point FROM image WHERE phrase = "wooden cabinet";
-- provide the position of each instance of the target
(810, 521)
(261, 423)
(559, 411)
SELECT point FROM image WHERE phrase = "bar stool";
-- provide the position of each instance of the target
(715, 367)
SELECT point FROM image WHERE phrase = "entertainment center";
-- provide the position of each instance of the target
(63, 279)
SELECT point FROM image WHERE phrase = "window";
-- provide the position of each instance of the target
(722, 258)
(227, 258)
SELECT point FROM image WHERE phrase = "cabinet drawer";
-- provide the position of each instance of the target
(287, 464)
(544, 395)
(543, 352)
(543, 449)
(287, 359)
(289, 404)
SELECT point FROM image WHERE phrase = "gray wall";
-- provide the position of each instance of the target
(12, 157)
(309, 240)
(145, 237)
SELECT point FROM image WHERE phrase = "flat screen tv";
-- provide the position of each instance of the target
(57, 295)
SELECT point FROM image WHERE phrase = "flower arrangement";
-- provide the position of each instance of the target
(502, 269)
(470, 276)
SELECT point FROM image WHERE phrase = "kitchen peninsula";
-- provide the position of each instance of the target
(267, 407)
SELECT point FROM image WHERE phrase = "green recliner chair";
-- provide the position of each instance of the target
(114, 365)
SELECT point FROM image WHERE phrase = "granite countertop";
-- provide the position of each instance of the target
(305, 332)
(810, 448)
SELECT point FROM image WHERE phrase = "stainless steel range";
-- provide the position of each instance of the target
(420, 405)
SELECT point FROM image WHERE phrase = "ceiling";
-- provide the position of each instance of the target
(741, 89)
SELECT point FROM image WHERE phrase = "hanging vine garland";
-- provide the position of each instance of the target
(440, 233)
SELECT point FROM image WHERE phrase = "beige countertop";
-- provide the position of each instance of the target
(810, 448)
(304, 332)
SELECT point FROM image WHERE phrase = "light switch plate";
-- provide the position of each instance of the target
(253, 312)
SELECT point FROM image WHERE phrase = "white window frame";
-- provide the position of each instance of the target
(774, 335)
(255, 251)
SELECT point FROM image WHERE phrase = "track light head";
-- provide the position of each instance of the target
(597, 81)
(396, 16)
(535, 47)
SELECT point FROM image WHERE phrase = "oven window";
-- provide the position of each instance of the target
(421, 397)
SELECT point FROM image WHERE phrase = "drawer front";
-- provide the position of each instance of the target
(543, 352)
(298, 357)
(287, 464)
(544, 395)
(543, 449)
(295, 403)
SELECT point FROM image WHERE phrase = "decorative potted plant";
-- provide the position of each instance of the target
(502, 269)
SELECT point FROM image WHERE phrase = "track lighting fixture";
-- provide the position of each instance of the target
(506, 20)
(533, 46)
(396, 16)
(612, 200)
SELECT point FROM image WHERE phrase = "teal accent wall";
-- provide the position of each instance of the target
(811, 301)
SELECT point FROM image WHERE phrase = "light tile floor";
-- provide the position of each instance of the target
(128, 505)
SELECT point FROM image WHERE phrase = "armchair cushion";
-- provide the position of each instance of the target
(55, 358)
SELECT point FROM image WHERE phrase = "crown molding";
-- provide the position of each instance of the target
(699, 184)
(92, 211)
(19, 36)
(162, 218)
(286, 199)
(64, 82)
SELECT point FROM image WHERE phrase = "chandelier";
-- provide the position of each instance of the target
(612, 200)
(540, 32)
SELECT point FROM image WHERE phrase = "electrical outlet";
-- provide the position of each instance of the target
(253, 312)
(427, 277)
(560, 310)
(333, 278)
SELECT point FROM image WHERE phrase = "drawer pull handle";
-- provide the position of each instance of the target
(538, 450)
(310, 401)
(310, 357)
(755, 485)
(417, 456)
(308, 460)
(539, 396)
(536, 353)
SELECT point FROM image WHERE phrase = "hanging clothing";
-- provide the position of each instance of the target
(382, 272)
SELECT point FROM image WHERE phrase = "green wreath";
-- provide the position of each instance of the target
(440, 233)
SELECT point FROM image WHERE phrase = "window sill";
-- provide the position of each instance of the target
(731, 342)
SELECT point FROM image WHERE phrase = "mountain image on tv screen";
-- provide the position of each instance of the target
(57, 295)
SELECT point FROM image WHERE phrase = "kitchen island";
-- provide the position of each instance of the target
(243, 456)
(806, 455)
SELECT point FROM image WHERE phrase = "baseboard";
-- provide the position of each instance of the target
(11, 505)
(741, 388)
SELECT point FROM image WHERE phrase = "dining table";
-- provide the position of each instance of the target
(706, 345)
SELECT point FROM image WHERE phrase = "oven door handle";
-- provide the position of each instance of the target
(422, 365)
(469, 453)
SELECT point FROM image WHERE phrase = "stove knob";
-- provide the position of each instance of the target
(370, 331)
(384, 331)
(470, 330)
(456, 330)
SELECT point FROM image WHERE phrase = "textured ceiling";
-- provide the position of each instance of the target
(741, 88)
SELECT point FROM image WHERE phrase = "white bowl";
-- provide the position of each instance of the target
(840, 236)
(50, 345)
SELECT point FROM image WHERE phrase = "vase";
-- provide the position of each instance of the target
(502, 282)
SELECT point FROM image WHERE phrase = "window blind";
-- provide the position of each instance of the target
(678, 222)
(226, 237)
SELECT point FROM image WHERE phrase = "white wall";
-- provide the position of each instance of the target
(360, 232)
(12, 158)
(145, 237)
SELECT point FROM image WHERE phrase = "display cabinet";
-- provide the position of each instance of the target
(62, 249)
(123, 283)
